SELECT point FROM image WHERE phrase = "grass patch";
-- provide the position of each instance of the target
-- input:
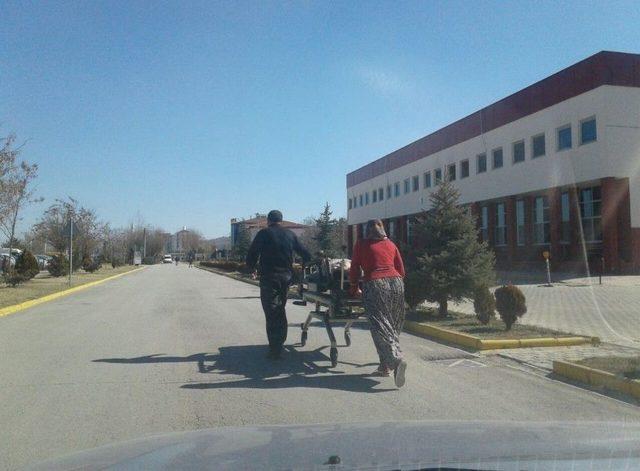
(45, 284)
(628, 367)
(469, 325)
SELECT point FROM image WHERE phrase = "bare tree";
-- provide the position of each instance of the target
(15, 191)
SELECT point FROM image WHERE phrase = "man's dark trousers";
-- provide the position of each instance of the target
(273, 294)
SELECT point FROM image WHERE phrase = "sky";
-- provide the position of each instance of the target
(191, 113)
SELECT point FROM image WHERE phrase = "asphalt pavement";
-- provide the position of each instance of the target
(172, 348)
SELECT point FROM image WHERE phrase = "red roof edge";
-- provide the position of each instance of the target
(603, 68)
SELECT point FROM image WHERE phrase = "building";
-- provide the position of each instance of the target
(177, 241)
(554, 167)
(260, 222)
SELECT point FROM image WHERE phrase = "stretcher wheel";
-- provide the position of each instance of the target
(303, 339)
(347, 339)
(333, 354)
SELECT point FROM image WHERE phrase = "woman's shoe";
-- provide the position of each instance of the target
(399, 373)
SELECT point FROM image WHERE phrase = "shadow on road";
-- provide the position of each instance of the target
(241, 297)
(295, 369)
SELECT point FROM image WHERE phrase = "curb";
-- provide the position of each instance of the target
(598, 378)
(477, 343)
(229, 275)
(5, 311)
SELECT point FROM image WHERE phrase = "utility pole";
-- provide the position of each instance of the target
(144, 246)
(70, 248)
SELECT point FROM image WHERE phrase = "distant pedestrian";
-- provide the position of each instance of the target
(177, 260)
(273, 249)
(382, 296)
(190, 258)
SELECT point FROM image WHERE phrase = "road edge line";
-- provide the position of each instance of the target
(5, 311)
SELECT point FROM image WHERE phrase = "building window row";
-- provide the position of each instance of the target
(590, 208)
(588, 134)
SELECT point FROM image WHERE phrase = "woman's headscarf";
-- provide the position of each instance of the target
(375, 230)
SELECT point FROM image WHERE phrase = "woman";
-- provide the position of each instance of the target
(383, 295)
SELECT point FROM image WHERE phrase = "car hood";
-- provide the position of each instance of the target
(380, 446)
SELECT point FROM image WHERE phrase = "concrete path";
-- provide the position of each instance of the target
(172, 348)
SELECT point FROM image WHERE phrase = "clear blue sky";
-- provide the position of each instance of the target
(191, 113)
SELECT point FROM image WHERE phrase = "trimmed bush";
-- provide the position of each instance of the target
(13, 278)
(58, 266)
(86, 262)
(484, 304)
(511, 304)
(27, 265)
(414, 289)
(226, 265)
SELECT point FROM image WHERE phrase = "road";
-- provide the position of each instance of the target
(171, 348)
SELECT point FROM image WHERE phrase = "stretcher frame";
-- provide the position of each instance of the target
(329, 317)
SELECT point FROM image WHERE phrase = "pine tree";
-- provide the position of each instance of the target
(242, 242)
(451, 260)
(325, 228)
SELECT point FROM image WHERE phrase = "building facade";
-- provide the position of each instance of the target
(255, 224)
(552, 168)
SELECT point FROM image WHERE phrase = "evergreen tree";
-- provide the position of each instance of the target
(451, 260)
(325, 229)
(242, 243)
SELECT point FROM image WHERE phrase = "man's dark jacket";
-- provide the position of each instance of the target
(274, 247)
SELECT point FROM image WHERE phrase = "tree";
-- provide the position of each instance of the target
(324, 231)
(510, 304)
(91, 232)
(27, 265)
(450, 258)
(242, 242)
(15, 192)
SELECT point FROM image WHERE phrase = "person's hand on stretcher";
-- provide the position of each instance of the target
(355, 291)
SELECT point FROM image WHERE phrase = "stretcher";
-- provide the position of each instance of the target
(325, 285)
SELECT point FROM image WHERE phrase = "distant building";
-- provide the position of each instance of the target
(177, 241)
(260, 222)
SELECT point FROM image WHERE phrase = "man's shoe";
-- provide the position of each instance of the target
(399, 373)
(271, 355)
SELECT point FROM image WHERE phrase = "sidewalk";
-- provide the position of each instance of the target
(581, 306)
(544, 357)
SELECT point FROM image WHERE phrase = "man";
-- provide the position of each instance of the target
(274, 247)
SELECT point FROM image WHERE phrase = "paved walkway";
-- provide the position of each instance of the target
(545, 356)
(610, 311)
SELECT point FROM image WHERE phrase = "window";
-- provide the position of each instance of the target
(518, 152)
(520, 237)
(501, 225)
(588, 131)
(427, 180)
(464, 169)
(374, 196)
(564, 137)
(541, 227)
(451, 172)
(407, 186)
(388, 191)
(481, 163)
(565, 227)
(392, 229)
(539, 145)
(380, 194)
(497, 158)
(396, 189)
(484, 223)
(350, 203)
(415, 183)
(366, 198)
(591, 214)
(361, 201)
(410, 223)
(437, 173)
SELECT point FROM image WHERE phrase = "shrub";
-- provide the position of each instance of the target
(86, 262)
(511, 304)
(13, 278)
(92, 266)
(226, 265)
(484, 304)
(27, 265)
(58, 266)
(414, 289)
